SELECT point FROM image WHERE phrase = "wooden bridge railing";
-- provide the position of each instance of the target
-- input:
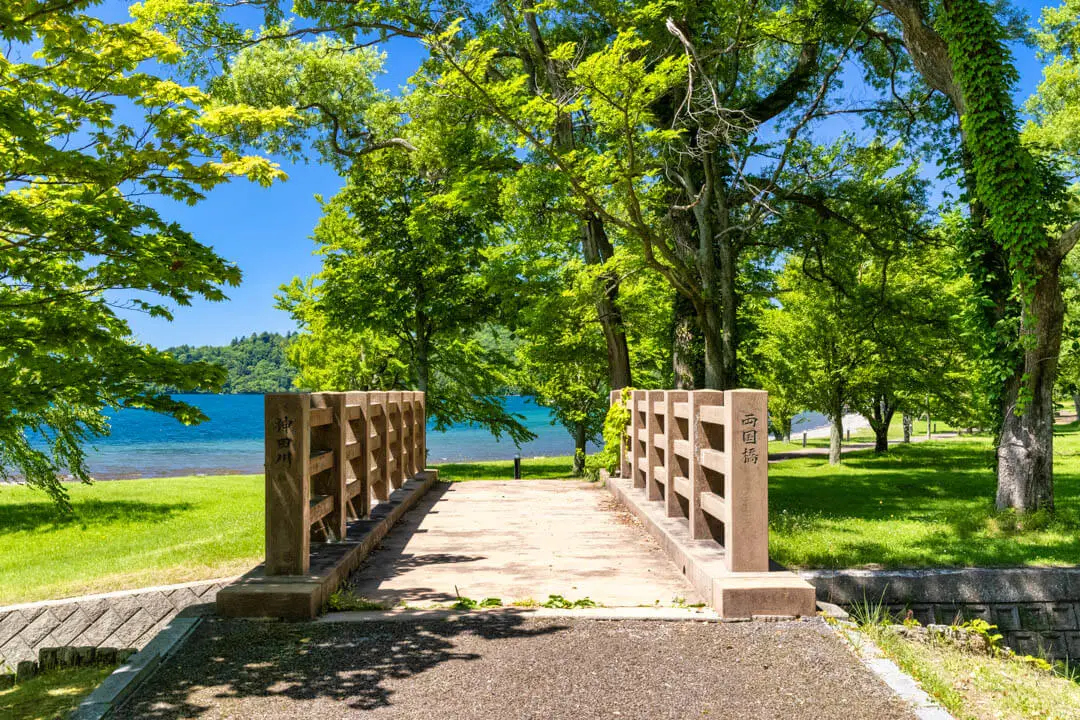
(327, 456)
(705, 455)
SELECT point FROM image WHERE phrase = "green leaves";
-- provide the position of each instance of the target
(89, 134)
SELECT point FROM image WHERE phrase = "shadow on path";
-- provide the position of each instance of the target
(228, 661)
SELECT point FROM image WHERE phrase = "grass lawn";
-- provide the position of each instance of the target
(925, 504)
(52, 694)
(982, 687)
(921, 505)
(127, 534)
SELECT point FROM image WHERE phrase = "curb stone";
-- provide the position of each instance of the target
(905, 686)
(599, 613)
(118, 686)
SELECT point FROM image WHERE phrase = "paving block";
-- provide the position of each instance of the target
(157, 605)
(1034, 616)
(976, 612)
(182, 598)
(1006, 617)
(1024, 643)
(206, 592)
(125, 606)
(71, 628)
(62, 611)
(949, 614)
(924, 614)
(10, 624)
(1053, 645)
(101, 629)
(1063, 616)
(1072, 644)
(132, 629)
(37, 630)
(93, 609)
(15, 650)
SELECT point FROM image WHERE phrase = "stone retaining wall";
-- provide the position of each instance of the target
(128, 619)
(1036, 609)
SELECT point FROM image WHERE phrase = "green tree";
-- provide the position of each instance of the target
(563, 360)
(89, 134)
(864, 317)
(403, 243)
(1020, 224)
(254, 364)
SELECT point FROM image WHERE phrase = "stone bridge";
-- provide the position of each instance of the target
(684, 523)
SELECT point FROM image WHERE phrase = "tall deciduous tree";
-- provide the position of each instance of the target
(402, 263)
(88, 134)
(1021, 228)
(403, 243)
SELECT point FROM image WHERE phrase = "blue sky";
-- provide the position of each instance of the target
(267, 231)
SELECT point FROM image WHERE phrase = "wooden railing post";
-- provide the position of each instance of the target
(746, 491)
(414, 432)
(379, 427)
(287, 434)
(707, 437)
(394, 462)
(637, 424)
(653, 454)
(406, 435)
(674, 430)
(421, 443)
(357, 493)
(339, 473)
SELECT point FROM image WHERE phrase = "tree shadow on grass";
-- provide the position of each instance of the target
(949, 485)
(31, 517)
(246, 669)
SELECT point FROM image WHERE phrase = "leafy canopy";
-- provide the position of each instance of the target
(89, 133)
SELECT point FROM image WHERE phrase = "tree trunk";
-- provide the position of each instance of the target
(785, 429)
(1076, 405)
(687, 356)
(882, 411)
(836, 436)
(579, 449)
(1025, 453)
(597, 250)
(928, 435)
(719, 372)
(908, 422)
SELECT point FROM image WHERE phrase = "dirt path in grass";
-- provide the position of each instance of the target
(853, 447)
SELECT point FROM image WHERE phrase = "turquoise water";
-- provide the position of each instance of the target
(145, 444)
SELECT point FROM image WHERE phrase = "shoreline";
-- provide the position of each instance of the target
(852, 421)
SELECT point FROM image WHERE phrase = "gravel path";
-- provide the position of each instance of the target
(490, 667)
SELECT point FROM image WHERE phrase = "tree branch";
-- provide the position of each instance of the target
(927, 48)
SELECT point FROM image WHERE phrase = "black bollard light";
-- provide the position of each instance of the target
(804, 438)
(517, 466)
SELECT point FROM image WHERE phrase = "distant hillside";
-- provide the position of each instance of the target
(256, 363)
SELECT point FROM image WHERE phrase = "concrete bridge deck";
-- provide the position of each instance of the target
(519, 541)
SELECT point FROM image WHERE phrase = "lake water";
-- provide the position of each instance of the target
(145, 444)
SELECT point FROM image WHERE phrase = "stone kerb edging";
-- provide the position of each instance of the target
(1036, 609)
(126, 619)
